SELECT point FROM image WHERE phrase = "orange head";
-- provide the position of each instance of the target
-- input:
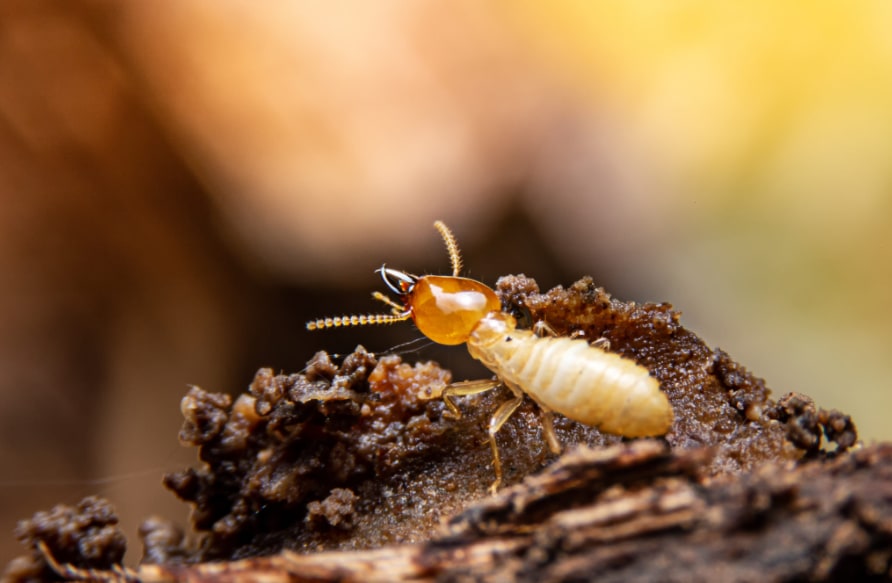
(445, 308)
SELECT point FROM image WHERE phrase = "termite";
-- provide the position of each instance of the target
(568, 375)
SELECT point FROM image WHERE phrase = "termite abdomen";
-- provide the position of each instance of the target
(580, 381)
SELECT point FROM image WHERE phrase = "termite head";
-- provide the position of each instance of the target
(445, 308)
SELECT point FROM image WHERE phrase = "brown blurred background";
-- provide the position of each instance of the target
(183, 184)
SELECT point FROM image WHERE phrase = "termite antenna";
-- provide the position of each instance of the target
(356, 320)
(451, 246)
(399, 282)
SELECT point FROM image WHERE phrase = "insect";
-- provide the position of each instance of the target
(562, 374)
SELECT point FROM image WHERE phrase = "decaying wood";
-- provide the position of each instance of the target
(630, 512)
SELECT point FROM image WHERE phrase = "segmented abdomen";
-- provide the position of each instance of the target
(582, 382)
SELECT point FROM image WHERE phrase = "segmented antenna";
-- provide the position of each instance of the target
(451, 246)
(355, 320)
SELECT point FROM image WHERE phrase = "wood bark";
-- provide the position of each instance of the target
(630, 512)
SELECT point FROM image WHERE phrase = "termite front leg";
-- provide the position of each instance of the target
(464, 389)
(502, 414)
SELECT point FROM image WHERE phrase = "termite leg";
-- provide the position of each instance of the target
(547, 419)
(502, 414)
(463, 389)
(548, 430)
(542, 328)
(602, 343)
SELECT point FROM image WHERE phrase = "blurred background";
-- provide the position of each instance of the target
(183, 184)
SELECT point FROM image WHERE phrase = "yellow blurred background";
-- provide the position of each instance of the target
(185, 183)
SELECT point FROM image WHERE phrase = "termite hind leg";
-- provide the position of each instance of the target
(546, 417)
(463, 389)
(502, 414)
(548, 430)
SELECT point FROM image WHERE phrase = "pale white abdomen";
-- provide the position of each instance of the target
(580, 381)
